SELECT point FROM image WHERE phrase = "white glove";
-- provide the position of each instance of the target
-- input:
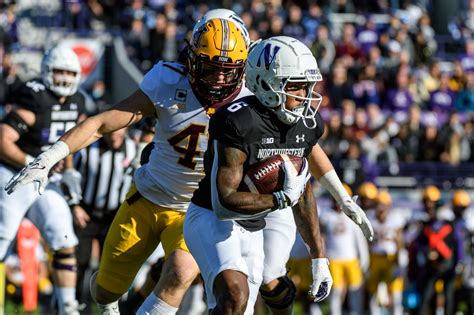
(333, 184)
(38, 170)
(72, 180)
(294, 184)
(322, 280)
(356, 214)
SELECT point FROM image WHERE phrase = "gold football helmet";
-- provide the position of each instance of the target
(368, 190)
(384, 198)
(431, 193)
(461, 198)
(216, 60)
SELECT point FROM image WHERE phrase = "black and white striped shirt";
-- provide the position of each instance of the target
(106, 174)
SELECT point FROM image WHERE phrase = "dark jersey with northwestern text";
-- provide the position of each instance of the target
(254, 129)
(52, 119)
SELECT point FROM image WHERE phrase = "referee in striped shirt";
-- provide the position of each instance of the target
(106, 177)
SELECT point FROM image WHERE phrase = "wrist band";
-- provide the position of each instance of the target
(281, 199)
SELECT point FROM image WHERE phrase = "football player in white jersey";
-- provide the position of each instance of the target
(348, 255)
(182, 97)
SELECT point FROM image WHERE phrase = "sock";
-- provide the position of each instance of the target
(155, 306)
(335, 301)
(397, 304)
(356, 297)
(2, 286)
(65, 295)
(108, 309)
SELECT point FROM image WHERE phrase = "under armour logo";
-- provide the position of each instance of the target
(299, 138)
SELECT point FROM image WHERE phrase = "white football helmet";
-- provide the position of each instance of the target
(61, 58)
(273, 63)
(226, 15)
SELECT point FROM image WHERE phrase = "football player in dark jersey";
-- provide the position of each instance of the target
(223, 226)
(44, 109)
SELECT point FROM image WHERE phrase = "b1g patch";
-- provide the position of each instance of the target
(180, 95)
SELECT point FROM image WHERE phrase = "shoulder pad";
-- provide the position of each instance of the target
(172, 72)
(35, 85)
(169, 73)
(29, 95)
(161, 82)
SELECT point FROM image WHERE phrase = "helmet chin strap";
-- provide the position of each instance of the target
(286, 116)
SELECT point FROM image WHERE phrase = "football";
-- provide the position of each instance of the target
(268, 175)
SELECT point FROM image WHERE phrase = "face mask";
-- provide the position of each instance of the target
(96, 94)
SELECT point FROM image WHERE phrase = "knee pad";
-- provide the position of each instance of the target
(281, 296)
(58, 261)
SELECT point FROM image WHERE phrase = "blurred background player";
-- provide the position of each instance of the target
(107, 170)
(45, 108)
(434, 254)
(348, 254)
(368, 194)
(460, 202)
(386, 257)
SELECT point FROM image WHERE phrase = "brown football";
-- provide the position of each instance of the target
(268, 175)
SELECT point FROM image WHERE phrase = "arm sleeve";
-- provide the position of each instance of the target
(362, 248)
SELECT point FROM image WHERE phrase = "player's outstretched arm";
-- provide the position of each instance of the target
(322, 169)
(307, 222)
(125, 113)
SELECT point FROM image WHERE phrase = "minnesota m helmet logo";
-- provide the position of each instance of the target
(268, 54)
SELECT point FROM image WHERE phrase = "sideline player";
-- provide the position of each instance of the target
(182, 98)
(386, 255)
(227, 241)
(45, 109)
(348, 255)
